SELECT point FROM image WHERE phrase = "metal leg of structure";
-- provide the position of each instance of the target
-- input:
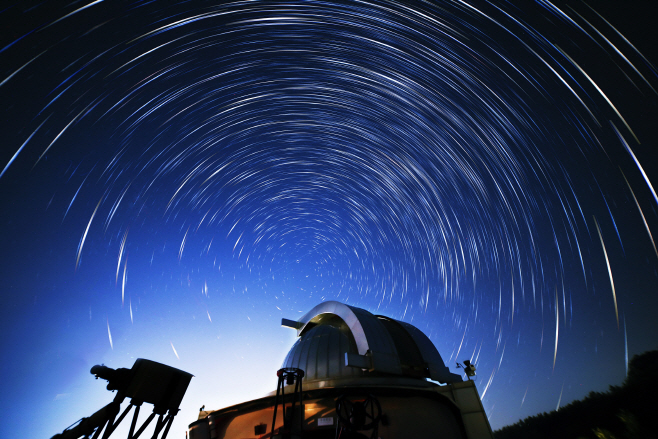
(298, 391)
(134, 422)
(99, 430)
(114, 408)
(158, 426)
(108, 427)
(290, 376)
(143, 427)
(112, 426)
(166, 432)
(276, 405)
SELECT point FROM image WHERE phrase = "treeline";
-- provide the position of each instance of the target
(626, 411)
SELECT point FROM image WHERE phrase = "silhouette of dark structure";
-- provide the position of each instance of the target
(146, 382)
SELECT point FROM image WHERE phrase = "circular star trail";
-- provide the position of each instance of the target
(177, 178)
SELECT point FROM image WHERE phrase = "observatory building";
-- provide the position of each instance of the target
(352, 374)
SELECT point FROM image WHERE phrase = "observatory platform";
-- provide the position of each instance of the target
(352, 374)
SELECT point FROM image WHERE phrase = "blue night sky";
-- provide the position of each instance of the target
(175, 179)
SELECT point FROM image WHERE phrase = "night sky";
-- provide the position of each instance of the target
(175, 179)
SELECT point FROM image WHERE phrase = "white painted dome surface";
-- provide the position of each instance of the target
(333, 335)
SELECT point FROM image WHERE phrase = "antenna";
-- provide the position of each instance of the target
(468, 367)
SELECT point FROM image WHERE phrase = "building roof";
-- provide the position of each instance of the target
(342, 344)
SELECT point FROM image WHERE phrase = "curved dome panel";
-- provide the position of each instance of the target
(320, 352)
(339, 341)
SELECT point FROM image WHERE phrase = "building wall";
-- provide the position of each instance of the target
(405, 417)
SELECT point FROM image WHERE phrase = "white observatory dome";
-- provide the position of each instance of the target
(352, 374)
(344, 345)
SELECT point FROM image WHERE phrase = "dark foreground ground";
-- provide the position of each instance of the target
(626, 411)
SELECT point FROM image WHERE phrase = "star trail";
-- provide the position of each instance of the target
(188, 174)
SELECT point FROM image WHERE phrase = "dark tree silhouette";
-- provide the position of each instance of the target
(626, 411)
